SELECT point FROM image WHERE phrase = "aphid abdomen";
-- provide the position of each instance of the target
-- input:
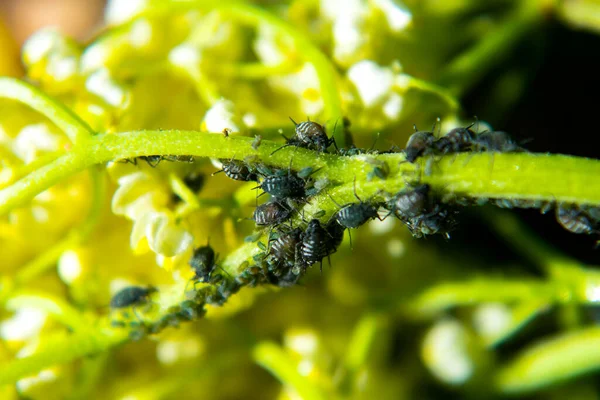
(419, 143)
(315, 242)
(286, 186)
(411, 203)
(130, 296)
(238, 170)
(575, 220)
(456, 141)
(271, 213)
(355, 215)
(496, 141)
(202, 263)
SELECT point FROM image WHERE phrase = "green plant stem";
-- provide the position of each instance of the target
(272, 357)
(75, 128)
(59, 350)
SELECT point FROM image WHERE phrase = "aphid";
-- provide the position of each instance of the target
(203, 263)
(353, 215)
(271, 213)
(152, 161)
(226, 132)
(456, 141)
(410, 203)
(439, 220)
(495, 141)
(284, 186)
(313, 135)
(336, 234)
(237, 170)
(419, 143)
(190, 310)
(315, 244)
(288, 279)
(285, 249)
(256, 142)
(310, 135)
(381, 169)
(575, 220)
(132, 295)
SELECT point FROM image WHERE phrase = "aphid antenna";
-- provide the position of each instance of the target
(336, 203)
(293, 122)
(354, 189)
(438, 122)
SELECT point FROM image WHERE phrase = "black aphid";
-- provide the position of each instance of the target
(285, 249)
(419, 143)
(336, 235)
(203, 263)
(271, 213)
(132, 296)
(496, 141)
(456, 141)
(284, 186)
(316, 243)
(575, 220)
(421, 212)
(237, 170)
(353, 215)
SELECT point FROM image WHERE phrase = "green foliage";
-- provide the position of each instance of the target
(138, 91)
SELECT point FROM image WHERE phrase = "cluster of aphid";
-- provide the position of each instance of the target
(290, 250)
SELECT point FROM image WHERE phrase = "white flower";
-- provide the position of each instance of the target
(397, 15)
(32, 139)
(104, 86)
(445, 352)
(373, 83)
(119, 11)
(348, 20)
(222, 116)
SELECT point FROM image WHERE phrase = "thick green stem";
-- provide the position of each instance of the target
(62, 117)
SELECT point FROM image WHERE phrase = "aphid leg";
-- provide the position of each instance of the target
(336, 203)
(282, 147)
(350, 238)
(154, 163)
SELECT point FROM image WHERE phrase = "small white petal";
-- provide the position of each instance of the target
(26, 323)
(221, 116)
(398, 16)
(372, 82)
(101, 84)
(118, 11)
(69, 266)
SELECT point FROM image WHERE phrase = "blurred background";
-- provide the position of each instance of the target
(545, 93)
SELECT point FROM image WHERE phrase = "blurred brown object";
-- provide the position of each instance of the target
(9, 53)
(76, 18)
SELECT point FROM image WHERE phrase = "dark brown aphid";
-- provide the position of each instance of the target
(336, 234)
(496, 141)
(419, 143)
(271, 213)
(310, 135)
(203, 263)
(132, 295)
(456, 141)
(410, 203)
(238, 170)
(284, 250)
(313, 135)
(575, 220)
